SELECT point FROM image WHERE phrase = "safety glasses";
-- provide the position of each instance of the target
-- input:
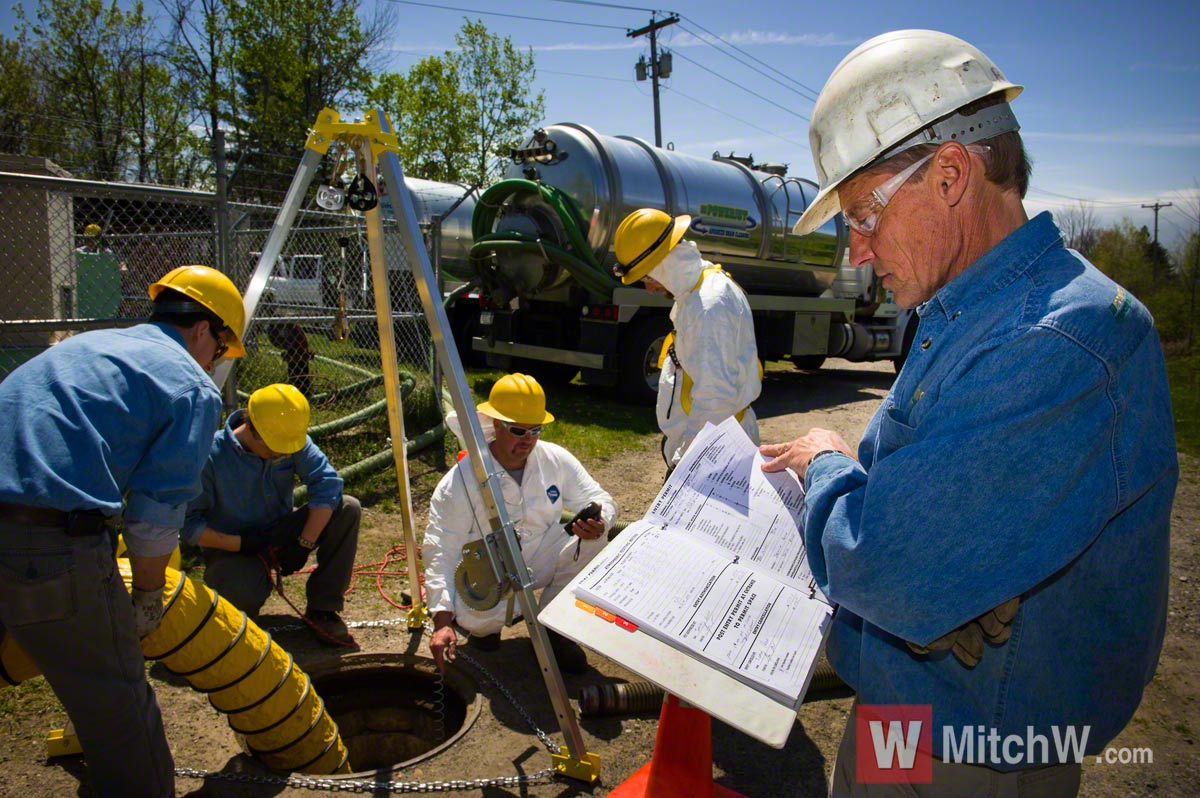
(521, 432)
(863, 216)
(219, 336)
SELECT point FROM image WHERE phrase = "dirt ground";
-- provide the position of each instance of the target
(500, 744)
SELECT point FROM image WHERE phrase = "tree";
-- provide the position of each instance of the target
(201, 50)
(428, 112)
(290, 60)
(495, 78)
(1079, 227)
(22, 118)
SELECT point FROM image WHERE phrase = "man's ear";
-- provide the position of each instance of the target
(952, 171)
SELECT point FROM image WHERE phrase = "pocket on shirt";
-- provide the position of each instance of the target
(39, 586)
(893, 434)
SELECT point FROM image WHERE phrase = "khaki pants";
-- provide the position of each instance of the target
(951, 780)
(242, 580)
(63, 600)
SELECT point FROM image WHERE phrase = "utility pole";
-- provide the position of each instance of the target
(1154, 263)
(657, 66)
(1157, 206)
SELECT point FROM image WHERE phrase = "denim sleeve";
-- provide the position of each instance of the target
(199, 508)
(1003, 481)
(168, 476)
(315, 471)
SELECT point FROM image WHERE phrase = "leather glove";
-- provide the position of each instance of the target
(253, 544)
(147, 610)
(966, 642)
(289, 558)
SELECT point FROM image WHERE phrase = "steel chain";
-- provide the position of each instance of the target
(352, 785)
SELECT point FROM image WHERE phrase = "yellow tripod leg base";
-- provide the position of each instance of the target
(62, 742)
(586, 769)
(417, 616)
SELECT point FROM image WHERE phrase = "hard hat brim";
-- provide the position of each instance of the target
(823, 208)
(491, 412)
(681, 225)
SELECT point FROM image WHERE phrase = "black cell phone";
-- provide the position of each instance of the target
(592, 511)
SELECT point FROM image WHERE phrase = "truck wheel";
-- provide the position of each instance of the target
(910, 334)
(808, 362)
(637, 375)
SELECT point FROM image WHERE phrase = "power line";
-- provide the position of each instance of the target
(1106, 203)
(606, 5)
(809, 89)
(673, 90)
(581, 75)
(441, 7)
(743, 88)
(748, 66)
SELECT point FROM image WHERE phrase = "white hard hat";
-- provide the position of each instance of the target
(887, 95)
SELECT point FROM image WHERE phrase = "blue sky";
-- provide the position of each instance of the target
(1110, 112)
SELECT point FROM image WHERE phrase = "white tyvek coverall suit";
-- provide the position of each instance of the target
(714, 341)
(553, 481)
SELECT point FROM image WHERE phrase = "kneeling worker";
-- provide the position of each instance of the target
(539, 481)
(246, 508)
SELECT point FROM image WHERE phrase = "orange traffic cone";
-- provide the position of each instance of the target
(681, 765)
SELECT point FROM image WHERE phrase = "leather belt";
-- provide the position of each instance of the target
(76, 523)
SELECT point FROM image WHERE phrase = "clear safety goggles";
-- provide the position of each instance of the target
(863, 216)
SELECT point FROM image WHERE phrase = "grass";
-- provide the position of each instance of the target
(1183, 372)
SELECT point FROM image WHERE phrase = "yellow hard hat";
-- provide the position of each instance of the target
(92, 229)
(644, 238)
(517, 398)
(279, 414)
(213, 290)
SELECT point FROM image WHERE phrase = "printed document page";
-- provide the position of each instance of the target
(710, 603)
(720, 492)
(718, 568)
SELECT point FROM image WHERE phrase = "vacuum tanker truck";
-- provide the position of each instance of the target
(544, 299)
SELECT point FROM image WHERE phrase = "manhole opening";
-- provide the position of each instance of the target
(391, 710)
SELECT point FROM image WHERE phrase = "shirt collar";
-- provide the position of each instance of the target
(235, 420)
(997, 267)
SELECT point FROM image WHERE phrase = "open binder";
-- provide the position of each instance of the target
(710, 594)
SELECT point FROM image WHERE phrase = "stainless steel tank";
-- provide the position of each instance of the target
(433, 200)
(741, 218)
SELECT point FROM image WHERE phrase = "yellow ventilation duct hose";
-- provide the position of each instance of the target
(270, 701)
(272, 706)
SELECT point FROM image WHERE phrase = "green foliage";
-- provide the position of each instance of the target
(458, 115)
(1184, 376)
(496, 78)
(427, 109)
(289, 61)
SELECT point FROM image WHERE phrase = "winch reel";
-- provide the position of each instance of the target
(475, 579)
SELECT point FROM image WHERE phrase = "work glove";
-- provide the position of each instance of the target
(289, 558)
(147, 610)
(253, 544)
(966, 642)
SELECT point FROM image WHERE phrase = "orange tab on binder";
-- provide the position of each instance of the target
(606, 615)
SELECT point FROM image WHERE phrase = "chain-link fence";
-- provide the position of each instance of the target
(80, 255)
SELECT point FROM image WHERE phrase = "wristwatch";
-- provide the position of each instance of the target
(819, 454)
(305, 543)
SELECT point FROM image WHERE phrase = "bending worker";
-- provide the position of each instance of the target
(998, 547)
(105, 424)
(710, 367)
(245, 521)
(539, 481)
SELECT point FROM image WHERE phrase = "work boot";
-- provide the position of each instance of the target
(329, 629)
(570, 656)
(486, 642)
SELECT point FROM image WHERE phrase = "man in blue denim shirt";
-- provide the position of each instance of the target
(998, 549)
(244, 517)
(105, 424)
